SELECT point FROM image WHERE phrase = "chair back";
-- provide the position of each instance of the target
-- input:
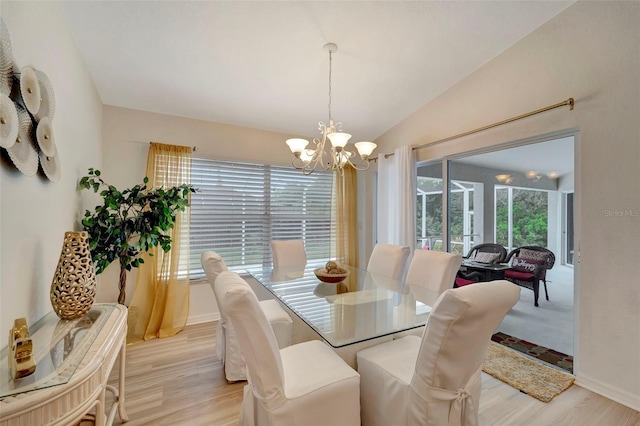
(487, 253)
(454, 346)
(388, 260)
(254, 333)
(288, 253)
(433, 270)
(213, 264)
(534, 255)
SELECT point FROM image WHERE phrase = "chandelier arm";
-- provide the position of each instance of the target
(354, 165)
(362, 168)
(297, 167)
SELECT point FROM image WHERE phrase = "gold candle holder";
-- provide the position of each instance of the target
(21, 362)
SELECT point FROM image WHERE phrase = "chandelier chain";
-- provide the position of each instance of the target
(329, 87)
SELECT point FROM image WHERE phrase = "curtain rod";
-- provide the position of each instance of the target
(569, 102)
(193, 148)
(149, 143)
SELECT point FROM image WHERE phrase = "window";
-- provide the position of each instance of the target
(240, 207)
(521, 217)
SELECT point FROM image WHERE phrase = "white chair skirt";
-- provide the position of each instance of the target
(385, 375)
(386, 396)
(320, 389)
(227, 347)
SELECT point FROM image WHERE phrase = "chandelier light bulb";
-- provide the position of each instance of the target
(504, 178)
(343, 157)
(365, 149)
(339, 140)
(297, 145)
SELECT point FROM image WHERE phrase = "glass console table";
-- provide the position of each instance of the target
(58, 348)
(73, 362)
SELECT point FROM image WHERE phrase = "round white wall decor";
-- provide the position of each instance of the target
(30, 89)
(47, 97)
(8, 122)
(44, 136)
(23, 153)
(6, 60)
(51, 166)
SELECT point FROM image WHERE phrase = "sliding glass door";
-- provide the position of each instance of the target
(462, 214)
(568, 228)
(429, 207)
(516, 196)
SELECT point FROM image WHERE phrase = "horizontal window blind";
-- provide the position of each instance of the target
(239, 208)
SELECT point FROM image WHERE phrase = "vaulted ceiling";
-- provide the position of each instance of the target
(261, 64)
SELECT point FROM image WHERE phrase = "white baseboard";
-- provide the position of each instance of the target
(199, 319)
(614, 394)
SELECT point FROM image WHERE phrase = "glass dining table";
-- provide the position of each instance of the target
(363, 307)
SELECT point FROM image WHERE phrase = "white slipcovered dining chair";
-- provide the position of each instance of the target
(436, 379)
(433, 270)
(304, 384)
(227, 347)
(388, 260)
(288, 253)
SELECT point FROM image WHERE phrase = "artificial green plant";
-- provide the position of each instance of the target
(130, 222)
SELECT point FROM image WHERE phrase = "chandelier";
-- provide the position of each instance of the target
(310, 159)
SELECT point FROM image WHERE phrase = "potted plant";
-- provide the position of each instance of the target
(130, 222)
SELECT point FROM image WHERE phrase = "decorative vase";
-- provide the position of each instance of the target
(73, 288)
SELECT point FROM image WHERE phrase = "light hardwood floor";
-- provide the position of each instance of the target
(180, 381)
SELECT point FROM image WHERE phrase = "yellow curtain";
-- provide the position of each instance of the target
(345, 212)
(160, 303)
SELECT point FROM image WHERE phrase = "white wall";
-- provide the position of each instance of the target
(588, 52)
(35, 213)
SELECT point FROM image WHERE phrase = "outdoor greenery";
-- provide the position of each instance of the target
(433, 208)
(529, 214)
(433, 215)
(529, 217)
(456, 213)
(130, 222)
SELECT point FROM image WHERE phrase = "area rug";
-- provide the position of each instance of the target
(528, 376)
(547, 355)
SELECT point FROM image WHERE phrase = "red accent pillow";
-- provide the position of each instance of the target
(518, 275)
(461, 282)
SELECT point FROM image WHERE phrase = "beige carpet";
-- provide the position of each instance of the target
(531, 377)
